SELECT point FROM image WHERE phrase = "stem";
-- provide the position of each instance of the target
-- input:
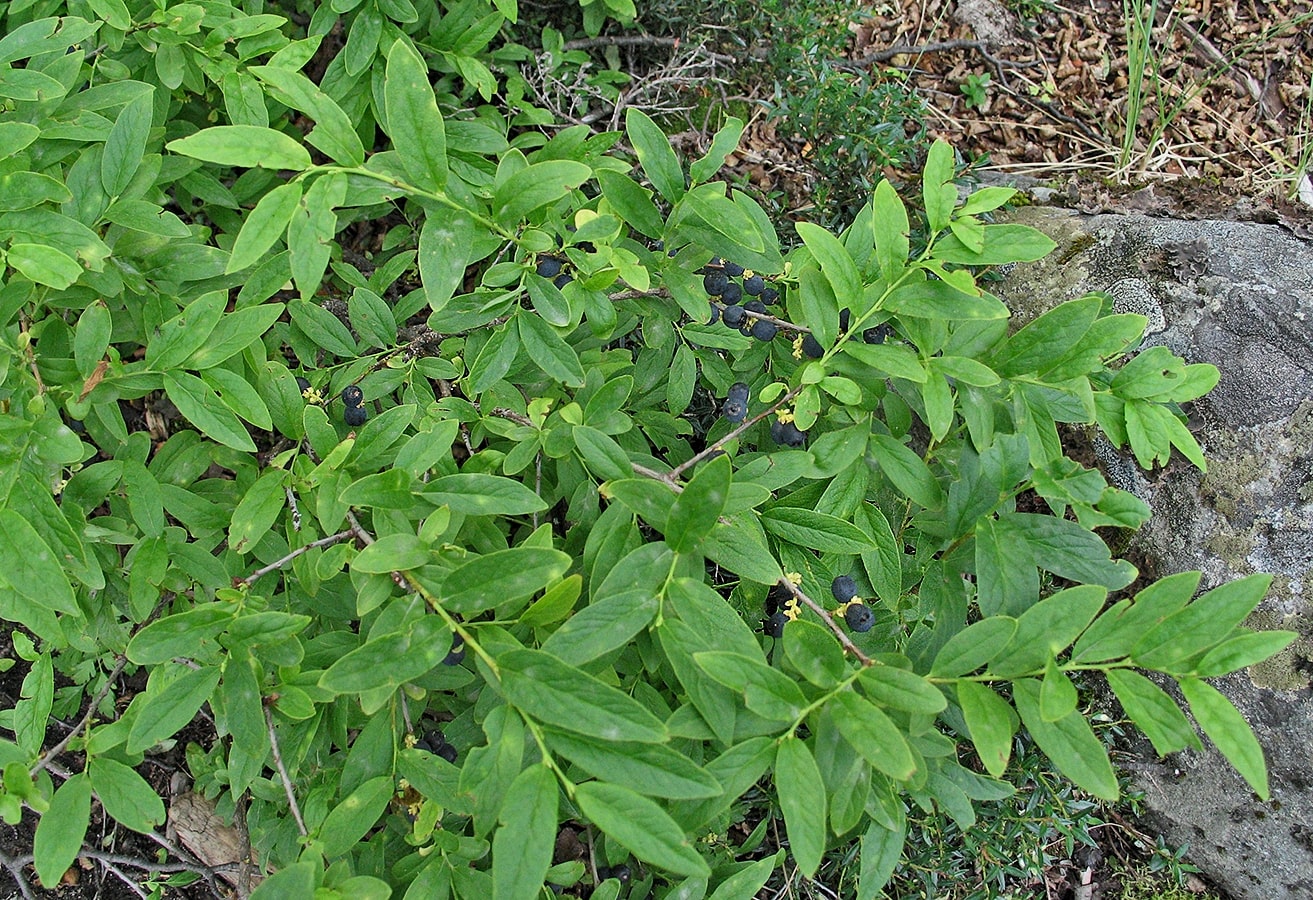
(690, 463)
(279, 563)
(44, 761)
(282, 773)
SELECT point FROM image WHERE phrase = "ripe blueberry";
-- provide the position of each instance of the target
(859, 617)
(733, 270)
(776, 597)
(446, 751)
(736, 403)
(755, 306)
(715, 314)
(733, 316)
(878, 334)
(302, 384)
(812, 347)
(714, 282)
(562, 280)
(754, 285)
(352, 395)
(774, 626)
(548, 267)
(732, 293)
(763, 330)
(787, 434)
(355, 416)
(770, 295)
(844, 588)
(456, 655)
(845, 316)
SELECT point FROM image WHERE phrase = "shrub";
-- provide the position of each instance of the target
(513, 590)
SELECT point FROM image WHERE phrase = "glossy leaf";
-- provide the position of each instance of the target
(802, 800)
(640, 825)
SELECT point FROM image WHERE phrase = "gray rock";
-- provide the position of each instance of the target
(1240, 296)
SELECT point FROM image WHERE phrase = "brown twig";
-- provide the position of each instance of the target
(939, 47)
(279, 563)
(14, 865)
(829, 621)
(282, 772)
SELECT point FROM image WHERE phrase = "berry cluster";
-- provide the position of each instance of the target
(857, 614)
(779, 600)
(436, 743)
(354, 414)
(551, 267)
(751, 318)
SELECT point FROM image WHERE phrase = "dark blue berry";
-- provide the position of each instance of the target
(844, 588)
(446, 751)
(764, 330)
(754, 285)
(456, 655)
(549, 267)
(302, 384)
(770, 295)
(787, 434)
(733, 316)
(774, 626)
(736, 403)
(755, 306)
(733, 270)
(812, 347)
(714, 282)
(715, 314)
(859, 617)
(732, 293)
(355, 416)
(845, 316)
(562, 280)
(878, 334)
(352, 395)
(776, 597)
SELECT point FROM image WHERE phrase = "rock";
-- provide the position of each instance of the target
(1238, 295)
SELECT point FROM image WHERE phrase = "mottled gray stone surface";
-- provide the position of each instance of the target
(1240, 296)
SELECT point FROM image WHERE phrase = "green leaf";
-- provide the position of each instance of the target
(264, 226)
(502, 577)
(1242, 651)
(444, 247)
(1067, 550)
(60, 832)
(297, 880)
(257, 511)
(836, 263)
(181, 634)
(32, 712)
(802, 800)
(641, 826)
(372, 319)
(818, 531)
(390, 660)
(874, 735)
(940, 300)
(1045, 341)
(351, 819)
(991, 722)
(631, 202)
(333, 133)
(24, 190)
(249, 146)
(570, 699)
(767, 691)
(547, 299)
(1229, 731)
(178, 338)
(127, 797)
(126, 144)
(938, 193)
(891, 228)
(748, 881)
(535, 186)
(522, 846)
(900, 689)
(739, 546)
(697, 509)
(413, 120)
(881, 849)
(709, 203)
(31, 568)
(478, 494)
(392, 553)
(1002, 244)
(884, 564)
(235, 332)
(604, 457)
(1200, 625)
(654, 770)
(44, 264)
(201, 406)
(1057, 695)
(890, 359)
(1048, 628)
(602, 626)
(814, 652)
(1153, 712)
(654, 154)
(973, 647)
(170, 709)
(1069, 742)
(725, 142)
(549, 351)
(907, 471)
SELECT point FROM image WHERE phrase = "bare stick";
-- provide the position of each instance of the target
(829, 621)
(14, 865)
(282, 772)
(132, 885)
(54, 751)
(279, 563)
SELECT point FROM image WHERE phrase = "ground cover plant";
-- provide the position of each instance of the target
(433, 484)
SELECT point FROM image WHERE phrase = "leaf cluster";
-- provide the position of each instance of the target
(542, 541)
